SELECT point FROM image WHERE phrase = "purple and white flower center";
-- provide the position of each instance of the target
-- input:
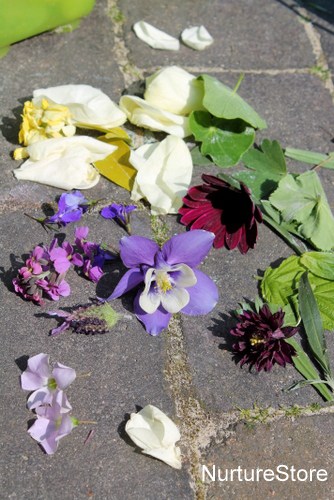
(166, 286)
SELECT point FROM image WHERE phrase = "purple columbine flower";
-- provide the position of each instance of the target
(120, 213)
(171, 281)
(39, 378)
(71, 207)
(52, 424)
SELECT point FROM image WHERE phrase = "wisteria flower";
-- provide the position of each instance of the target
(262, 339)
(169, 278)
(39, 378)
(226, 211)
(156, 434)
(89, 320)
(52, 424)
(120, 213)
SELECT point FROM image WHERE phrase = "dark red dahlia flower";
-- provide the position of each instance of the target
(262, 339)
(226, 211)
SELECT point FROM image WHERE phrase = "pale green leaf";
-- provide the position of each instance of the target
(311, 157)
(319, 263)
(225, 141)
(302, 199)
(223, 102)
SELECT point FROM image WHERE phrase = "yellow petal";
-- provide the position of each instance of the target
(116, 167)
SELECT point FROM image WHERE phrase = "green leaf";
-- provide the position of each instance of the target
(223, 102)
(305, 367)
(258, 182)
(270, 159)
(319, 263)
(312, 323)
(302, 199)
(311, 157)
(280, 286)
(199, 159)
(225, 141)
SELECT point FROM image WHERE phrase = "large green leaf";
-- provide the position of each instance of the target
(311, 157)
(225, 141)
(223, 102)
(311, 318)
(319, 263)
(302, 199)
(280, 286)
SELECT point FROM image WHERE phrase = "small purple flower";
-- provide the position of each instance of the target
(120, 213)
(39, 378)
(261, 339)
(71, 207)
(52, 424)
(169, 275)
(55, 288)
(62, 257)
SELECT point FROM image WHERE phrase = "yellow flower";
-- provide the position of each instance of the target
(45, 120)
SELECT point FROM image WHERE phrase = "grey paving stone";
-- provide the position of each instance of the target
(303, 444)
(126, 367)
(247, 34)
(84, 56)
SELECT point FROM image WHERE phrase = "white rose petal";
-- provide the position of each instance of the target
(175, 90)
(143, 114)
(164, 174)
(65, 162)
(156, 434)
(89, 106)
(154, 37)
(197, 37)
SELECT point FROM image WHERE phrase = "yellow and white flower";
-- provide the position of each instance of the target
(164, 174)
(64, 162)
(156, 434)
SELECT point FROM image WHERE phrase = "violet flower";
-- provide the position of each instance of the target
(93, 255)
(120, 213)
(71, 207)
(52, 424)
(171, 282)
(39, 378)
(261, 339)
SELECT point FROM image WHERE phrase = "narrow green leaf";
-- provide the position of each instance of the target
(305, 367)
(311, 157)
(312, 323)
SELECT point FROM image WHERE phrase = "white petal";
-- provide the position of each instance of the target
(175, 300)
(154, 37)
(141, 113)
(156, 434)
(185, 277)
(164, 174)
(197, 37)
(64, 162)
(89, 106)
(175, 90)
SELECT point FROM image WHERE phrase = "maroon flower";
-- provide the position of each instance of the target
(226, 211)
(262, 339)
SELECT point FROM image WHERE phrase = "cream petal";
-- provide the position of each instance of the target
(141, 113)
(171, 456)
(149, 301)
(175, 90)
(186, 276)
(89, 106)
(175, 300)
(154, 37)
(65, 162)
(197, 37)
(164, 174)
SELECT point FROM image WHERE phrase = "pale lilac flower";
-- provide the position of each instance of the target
(39, 378)
(52, 424)
(171, 281)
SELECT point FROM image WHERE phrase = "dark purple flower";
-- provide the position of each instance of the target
(71, 207)
(169, 278)
(120, 213)
(226, 211)
(262, 339)
(89, 319)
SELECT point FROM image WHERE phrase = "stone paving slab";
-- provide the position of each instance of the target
(126, 368)
(247, 35)
(302, 444)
